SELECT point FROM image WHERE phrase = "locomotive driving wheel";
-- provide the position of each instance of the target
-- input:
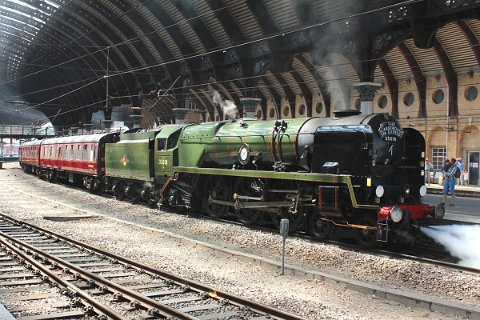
(294, 219)
(243, 187)
(215, 189)
(318, 228)
(366, 238)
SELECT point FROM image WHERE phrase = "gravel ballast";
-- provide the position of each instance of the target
(312, 299)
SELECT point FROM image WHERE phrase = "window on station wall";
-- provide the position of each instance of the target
(301, 110)
(439, 155)
(471, 93)
(192, 105)
(408, 99)
(382, 101)
(438, 96)
(357, 103)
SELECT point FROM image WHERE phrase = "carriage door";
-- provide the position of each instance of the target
(473, 159)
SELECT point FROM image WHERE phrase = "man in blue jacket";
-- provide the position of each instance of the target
(450, 181)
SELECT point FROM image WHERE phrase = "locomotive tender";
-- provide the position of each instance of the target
(362, 172)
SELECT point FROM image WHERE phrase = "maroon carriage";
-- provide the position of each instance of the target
(75, 158)
(29, 155)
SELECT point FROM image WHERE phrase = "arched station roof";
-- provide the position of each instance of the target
(62, 55)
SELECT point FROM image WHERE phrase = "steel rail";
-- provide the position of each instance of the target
(192, 285)
(96, 307)
(337, 243)
(358, 248)
(152, 306)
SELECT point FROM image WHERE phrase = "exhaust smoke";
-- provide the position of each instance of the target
(229, 108)
(461, 241)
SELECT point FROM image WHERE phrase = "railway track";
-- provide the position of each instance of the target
(431, 253)
(93, 282)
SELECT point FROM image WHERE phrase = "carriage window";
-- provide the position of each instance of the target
(85, 153)
(65, 153)
(79, 153)
(162, 143)
(72, 152)
(92, 153)
(59, 155)
(50, 153)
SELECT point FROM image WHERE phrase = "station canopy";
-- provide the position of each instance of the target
(72, 58)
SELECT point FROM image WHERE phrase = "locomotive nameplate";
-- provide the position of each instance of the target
(389, 131)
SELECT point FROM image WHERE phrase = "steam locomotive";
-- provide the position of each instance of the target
(362, 172)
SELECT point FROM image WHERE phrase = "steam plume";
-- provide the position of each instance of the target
(461, 241)
(229, 108)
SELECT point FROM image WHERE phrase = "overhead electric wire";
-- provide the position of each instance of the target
(235, 46)
(186, 57)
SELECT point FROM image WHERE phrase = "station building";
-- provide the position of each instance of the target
(163, 61)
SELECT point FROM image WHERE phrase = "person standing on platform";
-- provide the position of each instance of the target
(465, 177)
(445, 168)
(461, 166)
(449, 184)
(428, 170)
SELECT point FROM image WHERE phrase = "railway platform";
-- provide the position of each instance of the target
(466, 203)
(471, 191)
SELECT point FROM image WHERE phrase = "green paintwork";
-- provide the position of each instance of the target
(165, 157)
(218, 143)
(130, 158)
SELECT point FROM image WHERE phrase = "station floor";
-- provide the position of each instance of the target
(463, 210)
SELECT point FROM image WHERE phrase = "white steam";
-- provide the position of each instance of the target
(229, 108)
(461, 241)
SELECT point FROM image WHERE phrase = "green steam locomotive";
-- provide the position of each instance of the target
(361, 172)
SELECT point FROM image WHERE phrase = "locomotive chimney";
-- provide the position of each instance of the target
(367, 92)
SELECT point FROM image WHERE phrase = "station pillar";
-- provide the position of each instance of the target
(107, 124)
(249, 106)
(88, 127)
(367, 92)
(136, 116)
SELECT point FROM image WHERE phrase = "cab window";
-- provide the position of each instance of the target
(162, 143)
(173, 139)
